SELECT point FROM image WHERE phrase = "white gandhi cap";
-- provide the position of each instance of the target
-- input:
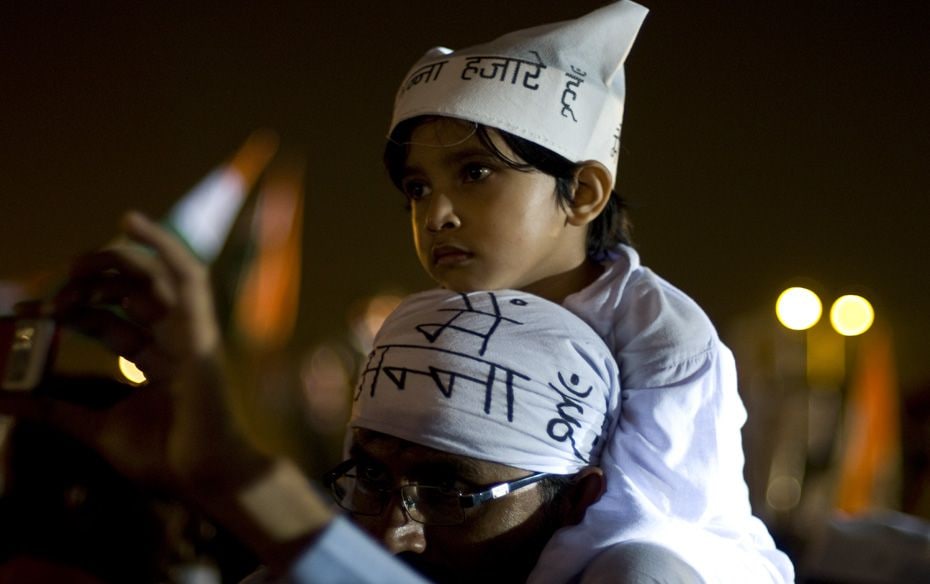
(559, 85)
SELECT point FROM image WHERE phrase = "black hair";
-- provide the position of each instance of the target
(552, 490)
(553, 487)
(611, 227)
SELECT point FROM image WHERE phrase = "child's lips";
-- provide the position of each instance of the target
(448, 255)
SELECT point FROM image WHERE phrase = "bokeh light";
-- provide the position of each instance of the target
(132, 373)
(798, 308)
(851, 315)
(783, 493)
(327, 384)
(365, 318)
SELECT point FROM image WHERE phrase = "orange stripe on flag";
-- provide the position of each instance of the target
(870, 458)
(266, 309)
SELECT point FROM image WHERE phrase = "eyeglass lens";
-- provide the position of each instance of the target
(424, 504)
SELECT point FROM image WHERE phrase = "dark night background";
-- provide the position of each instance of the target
(763, 141)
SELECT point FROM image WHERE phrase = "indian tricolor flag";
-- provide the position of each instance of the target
(205, 215)
(870, 460)
(268, 297)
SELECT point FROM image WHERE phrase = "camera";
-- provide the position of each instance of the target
(27, 345)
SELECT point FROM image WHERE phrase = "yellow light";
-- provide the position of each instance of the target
(851, 315)
(132, 373)
(798, 308)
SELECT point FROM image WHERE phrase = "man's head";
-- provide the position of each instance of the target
(418, 514)
(476, 432)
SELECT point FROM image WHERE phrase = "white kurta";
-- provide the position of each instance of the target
(675, 465)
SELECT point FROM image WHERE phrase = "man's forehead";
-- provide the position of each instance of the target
(391, 450)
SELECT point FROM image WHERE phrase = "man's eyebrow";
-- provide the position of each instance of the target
(438, 462)
(463, 468)
(357, 450)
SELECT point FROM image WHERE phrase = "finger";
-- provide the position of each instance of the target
(142, 301)
(128, 261)
(140, 285)
(119, 335)
(178, 258)
(196, 325)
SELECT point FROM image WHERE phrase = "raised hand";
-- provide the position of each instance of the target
(145, 297)
(149, 299)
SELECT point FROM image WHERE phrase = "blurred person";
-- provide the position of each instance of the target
(68, 517)
(483, 423)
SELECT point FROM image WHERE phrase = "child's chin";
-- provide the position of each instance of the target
(463, 281)
(463, 288)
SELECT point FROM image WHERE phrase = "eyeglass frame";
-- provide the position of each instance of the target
(466, 500)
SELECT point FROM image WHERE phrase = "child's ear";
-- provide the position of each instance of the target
(593, 186)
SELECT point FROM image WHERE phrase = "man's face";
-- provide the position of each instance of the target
(499, 541)
(479, 224)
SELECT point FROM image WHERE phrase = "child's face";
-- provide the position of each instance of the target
(478, 224)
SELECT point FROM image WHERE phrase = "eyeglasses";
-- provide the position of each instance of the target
(426, 504)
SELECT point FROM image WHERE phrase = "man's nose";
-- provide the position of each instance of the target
(441, 215)
(400, 532)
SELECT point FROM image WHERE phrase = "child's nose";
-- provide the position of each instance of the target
(441, 214)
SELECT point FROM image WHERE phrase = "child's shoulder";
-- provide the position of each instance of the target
(648, 322)
(652, 314)
(631, 296)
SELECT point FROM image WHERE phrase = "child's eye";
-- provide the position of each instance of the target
(475, 172)
(414, 189)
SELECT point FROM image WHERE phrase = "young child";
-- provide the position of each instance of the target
(507, 152)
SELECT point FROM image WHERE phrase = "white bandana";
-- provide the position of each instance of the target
(559, 85)
(501, 376)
